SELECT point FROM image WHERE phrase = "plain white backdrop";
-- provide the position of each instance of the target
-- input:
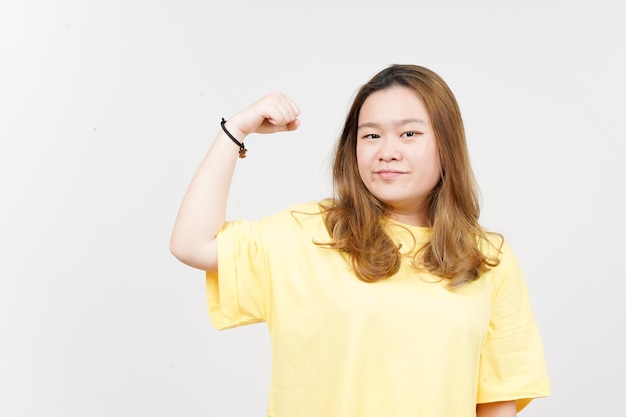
(107, 107)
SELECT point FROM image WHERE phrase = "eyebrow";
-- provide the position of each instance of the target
(401, 122)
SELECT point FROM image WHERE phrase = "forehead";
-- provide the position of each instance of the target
(393, 103)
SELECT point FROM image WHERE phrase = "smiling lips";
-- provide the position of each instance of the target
(388, 174)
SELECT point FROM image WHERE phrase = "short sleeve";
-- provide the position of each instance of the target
(512, 363)
(238, 292)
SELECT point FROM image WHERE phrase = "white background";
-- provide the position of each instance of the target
(107, 107)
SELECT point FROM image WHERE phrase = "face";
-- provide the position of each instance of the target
(397, 152)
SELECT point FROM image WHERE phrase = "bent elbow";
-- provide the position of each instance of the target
(202, 256)
(176, 250)
(180, 250)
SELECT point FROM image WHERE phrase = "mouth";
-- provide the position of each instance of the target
(388, 174)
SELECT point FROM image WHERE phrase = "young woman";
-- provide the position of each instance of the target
(389, 299)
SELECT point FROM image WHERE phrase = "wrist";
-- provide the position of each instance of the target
(237, 141)
(233, 127)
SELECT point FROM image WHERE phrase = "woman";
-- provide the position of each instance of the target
(388, 299)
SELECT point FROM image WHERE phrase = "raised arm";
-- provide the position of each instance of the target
(203, 209)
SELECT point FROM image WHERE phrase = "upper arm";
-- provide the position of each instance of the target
(496, 409)
(512, 363)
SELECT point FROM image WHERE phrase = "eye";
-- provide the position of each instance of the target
(371, 136)
(411, 133)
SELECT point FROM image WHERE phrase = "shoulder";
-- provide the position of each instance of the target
(506, 272)
(300, 217)
(296, 212)
(494, 246)
(300, 223)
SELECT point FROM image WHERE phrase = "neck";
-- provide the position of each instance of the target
(412, 218)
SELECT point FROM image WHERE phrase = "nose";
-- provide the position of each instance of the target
(388, 150)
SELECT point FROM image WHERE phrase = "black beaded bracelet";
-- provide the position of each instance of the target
(242, 148)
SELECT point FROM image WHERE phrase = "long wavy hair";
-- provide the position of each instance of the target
(354, 218)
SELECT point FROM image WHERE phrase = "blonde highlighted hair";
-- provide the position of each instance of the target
(354, 217)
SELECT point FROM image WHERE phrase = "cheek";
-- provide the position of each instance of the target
(361, 160)
(435, 169)
(436, 163)
(431, 154)
(427, 161)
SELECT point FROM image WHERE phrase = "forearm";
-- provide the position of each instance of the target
(203, 209)
(497, 409)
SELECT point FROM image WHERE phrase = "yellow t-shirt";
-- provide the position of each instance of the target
(402, 347)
